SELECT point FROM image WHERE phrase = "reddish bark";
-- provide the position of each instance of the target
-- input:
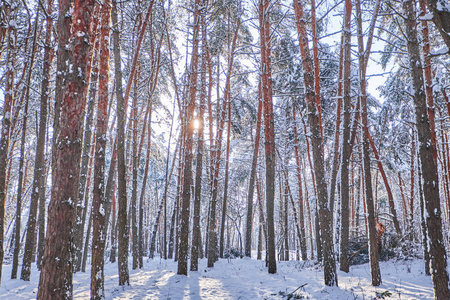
(189, 141)
(99, 202)
(56, 275)
(269, 128)
(430, 176)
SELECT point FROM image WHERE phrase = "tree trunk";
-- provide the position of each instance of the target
(196, 233)
(18, 227)
(123, 236)
(39, 164)
(227, 100)
(6, 121)
(189, 141)
(86, 162)
(371, 221)
(300, 191)
(325, 216)
(423, 225)
(134, 192)
(438, 256)
(56, 275)
(269, 130)
(387, 186)
(251, 185)
(346, 146)
(98, 202)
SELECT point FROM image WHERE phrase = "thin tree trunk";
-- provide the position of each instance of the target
(189, 141)
(39, 164)
(86, 242)
(387, 186)
(251, 185)
(123, 236)
(269, 130)
(196, 233)
(301, 205)
(6, 121)
(438, 256)
(346, 146)
(373, 249)
(20, 184)
(227, 101)
(423, 225)
(98, 202)
(134, 192)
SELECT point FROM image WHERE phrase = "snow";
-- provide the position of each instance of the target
(442, 51)
(240, 279)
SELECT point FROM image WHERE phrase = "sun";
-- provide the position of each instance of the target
(196, 124)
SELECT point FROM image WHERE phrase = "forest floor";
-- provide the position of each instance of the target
(242, 279)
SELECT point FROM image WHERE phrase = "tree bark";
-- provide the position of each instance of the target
(325, 216)
(6, 121)
(189, 141)
(300, 191)
(98, 202)
(269, 130)
(39, 164)
(430, 176)
(56, 275)
(227, 100)
(251, 184)
(123, 237)
(371, 220)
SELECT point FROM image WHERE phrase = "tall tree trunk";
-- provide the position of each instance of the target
(56, 275)
(438, 255)
(6, 120)
(251, 184)
(98, 202)
(134, 192)
(189, 141)
(39, 164)
(300, 191)
(371, 221)
(196, 233)
(123, 236)
(227, 100)
(20, 184)
(325, 216)
(269, 130)
(346, 146)
(86, 162)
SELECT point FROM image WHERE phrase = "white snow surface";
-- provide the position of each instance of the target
(240, 279)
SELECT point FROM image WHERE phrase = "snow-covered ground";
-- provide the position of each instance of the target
(242, 279)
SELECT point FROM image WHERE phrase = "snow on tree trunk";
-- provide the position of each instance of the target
(56, 275)
(430, 176)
